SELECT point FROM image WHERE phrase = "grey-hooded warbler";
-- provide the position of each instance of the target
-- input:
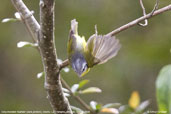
(83, 55)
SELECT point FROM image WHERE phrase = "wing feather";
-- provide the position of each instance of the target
(102, 48)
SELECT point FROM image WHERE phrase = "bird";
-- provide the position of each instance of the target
(84, 55)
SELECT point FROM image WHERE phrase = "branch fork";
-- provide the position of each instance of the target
(144, 12)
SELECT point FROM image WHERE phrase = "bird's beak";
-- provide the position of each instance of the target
(84, 73)
(79, 74)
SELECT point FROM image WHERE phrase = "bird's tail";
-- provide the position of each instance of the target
(105, 47)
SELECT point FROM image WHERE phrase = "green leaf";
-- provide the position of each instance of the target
(91, 90)
(95, 106)
(163, 88)
(82, 83)
(112, 105)
(98, 107)
(26, 44)
(74, 88)
(9, 20)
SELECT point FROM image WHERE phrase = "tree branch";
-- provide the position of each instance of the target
(28, 18)
(155, 7)
(49, 58)
(33, 28)
(144, 13)
(134, 22)
(52, 80)
(64, 64)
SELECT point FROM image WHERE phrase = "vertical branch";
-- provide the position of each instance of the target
(49, 58)
(144, 13)
(155, 7)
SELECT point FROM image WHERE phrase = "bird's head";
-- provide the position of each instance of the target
(79, 64)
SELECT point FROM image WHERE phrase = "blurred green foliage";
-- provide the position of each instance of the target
(144, 51)
(163, 86)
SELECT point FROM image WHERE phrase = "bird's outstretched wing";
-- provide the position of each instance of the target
(101, 48)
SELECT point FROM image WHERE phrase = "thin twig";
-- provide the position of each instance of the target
(64, 64)
(136, 21)
(155, 7)
(144, 13)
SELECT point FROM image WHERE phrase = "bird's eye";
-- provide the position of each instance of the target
(84, 68)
